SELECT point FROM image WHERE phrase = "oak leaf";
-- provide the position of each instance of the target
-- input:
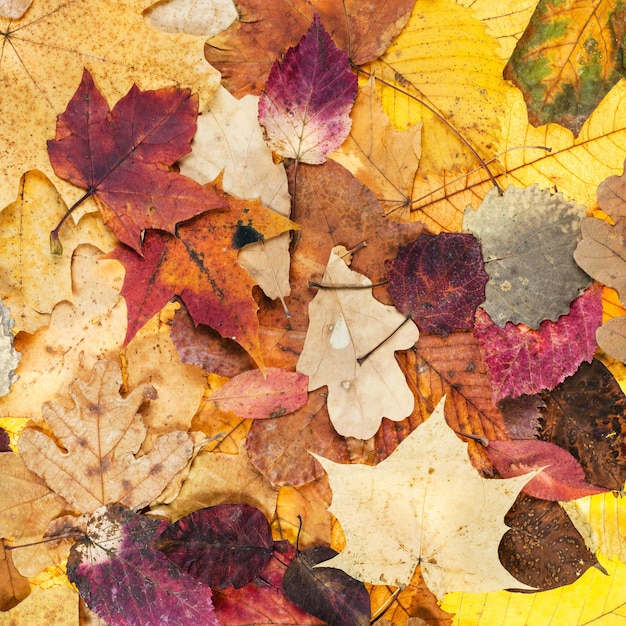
(342, 351)
(439, 281)
(193, 17)
(522, 360)
(245, 53)
(230, 140)
(121, 157)
(397, 515)
(113, 42)
(199, 265)
(115, 570)
(528, 237)
(101, 434)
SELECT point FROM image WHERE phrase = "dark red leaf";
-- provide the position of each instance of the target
(263, 601)
(525, 361)
(439, 280)
(227, 544)
(521, 415)
(543, 548)
(122, 157)
(125, 581)
(305, 108)
(585, 415)
(562, 477)
(326, 592)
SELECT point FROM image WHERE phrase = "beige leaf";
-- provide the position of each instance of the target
(14, 9)
(346, 325)
(423, 505)
(9, 358)
(194, 17)
(101, 433)
(57, 605)
(211, 480)
(78, 334)
(230, 139)
(381, 157)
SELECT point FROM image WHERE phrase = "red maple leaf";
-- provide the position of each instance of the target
(199, 264)
(122, 157)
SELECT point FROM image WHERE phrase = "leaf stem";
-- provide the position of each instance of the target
(439, 116)
(363, 358)
(383, 609)
(312, 283)
(55, 243)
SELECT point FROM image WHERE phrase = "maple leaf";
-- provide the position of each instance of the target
(199, 265)
(564, 64)
(396, 515)
(439, 281)
(245, 53)
(194, 17)
(121, 156)
(342, 351)
(305, 106)
(524, 361)
(562, 477)
(101, 434)
(112, 41)
(124, 580)
(529, 257)
(228, 544)
(255, 395)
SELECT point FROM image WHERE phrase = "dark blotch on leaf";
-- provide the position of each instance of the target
(245, 235)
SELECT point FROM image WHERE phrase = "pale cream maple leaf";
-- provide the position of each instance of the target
(423, 505)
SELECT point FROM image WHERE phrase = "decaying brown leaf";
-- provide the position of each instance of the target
(101, 434)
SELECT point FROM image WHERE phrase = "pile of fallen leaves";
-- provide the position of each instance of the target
(335, 338)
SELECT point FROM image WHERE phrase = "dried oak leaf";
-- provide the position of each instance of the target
(528, 237)
(423, 505)
(585, 416)
(199, 264)
(543, 548)
(525, 361)
(565, 62)
(439, 281)
(124, 580)
(195, 17)
(350, 347)
(113, 42)
(230, 140)
(380, 156)
(562, 477)
(227, 544)
(263, 602)
(101, 434)
(255, 395)
(121, 157)
(305, 106)
(245, 52)
(326, 592)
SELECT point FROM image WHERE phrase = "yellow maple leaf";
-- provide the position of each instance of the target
(42, 60)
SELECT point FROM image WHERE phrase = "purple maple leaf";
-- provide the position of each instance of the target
(439, 280)
(305, 108)
(525, 361)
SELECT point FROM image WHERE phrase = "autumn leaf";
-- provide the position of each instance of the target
(562, 477)
(101, 433)
(305, 106)
(9, 358)
(14, 9)
(532, 256)
(257, 396)
(326, 592)
(112, 41)
(245, 53)
(405, 525)
(56, 605)
(199, 265)
(194, 17)
(120, 157)
(13, 586)
(564, 64)
(343, 350)
(525, 361)
(439, 281)
(115, 570)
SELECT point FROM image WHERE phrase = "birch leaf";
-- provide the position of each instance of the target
(397, 515)
(346, 325)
